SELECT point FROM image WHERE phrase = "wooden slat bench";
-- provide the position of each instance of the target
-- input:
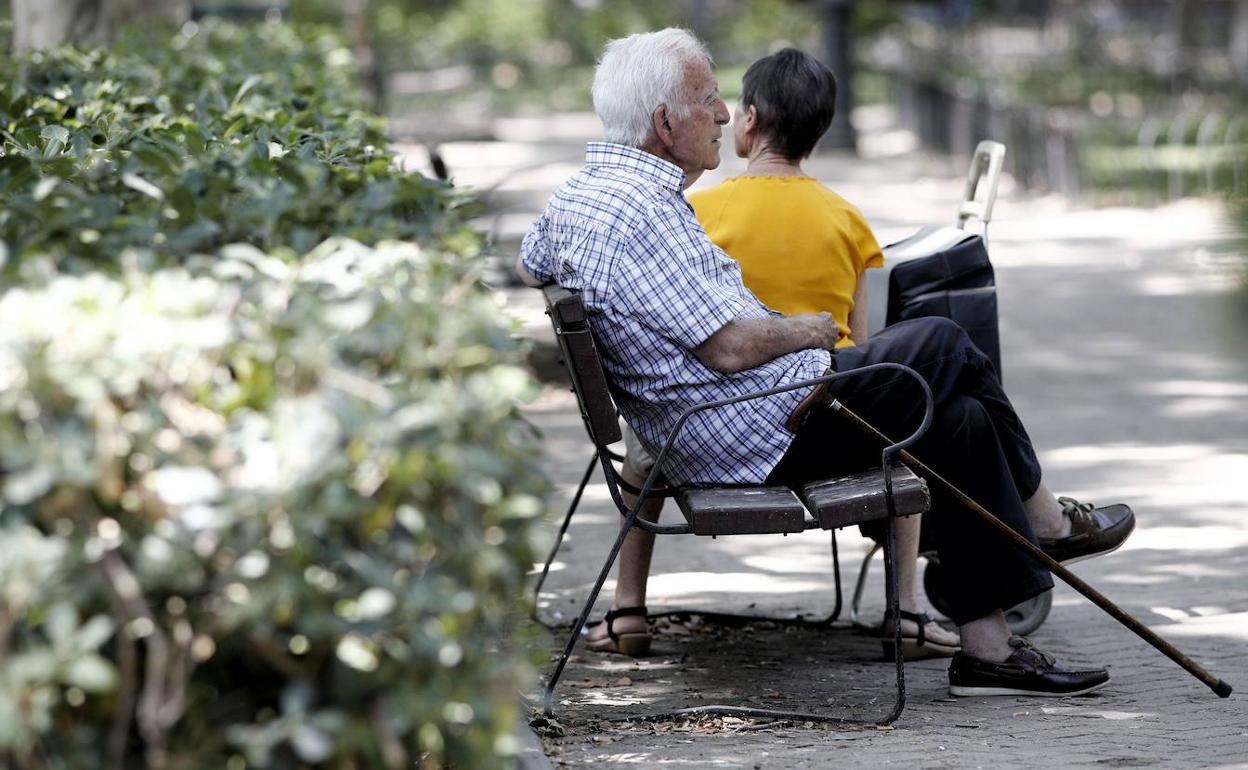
(877, 494)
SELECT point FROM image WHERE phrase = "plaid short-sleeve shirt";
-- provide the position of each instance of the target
(621, 232)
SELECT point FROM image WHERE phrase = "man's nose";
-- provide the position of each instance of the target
(722, 115)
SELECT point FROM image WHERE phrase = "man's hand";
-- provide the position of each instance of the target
(746, 343)
(823, 329)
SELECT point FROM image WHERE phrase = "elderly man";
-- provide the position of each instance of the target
(676, 327)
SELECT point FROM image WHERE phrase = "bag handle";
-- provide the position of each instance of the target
(981, 183)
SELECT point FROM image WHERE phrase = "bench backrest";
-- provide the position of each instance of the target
(589, 381)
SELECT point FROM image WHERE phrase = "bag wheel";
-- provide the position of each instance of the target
(1023, 618)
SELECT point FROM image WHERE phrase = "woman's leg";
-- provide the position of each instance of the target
(908, 582)
(632, 566)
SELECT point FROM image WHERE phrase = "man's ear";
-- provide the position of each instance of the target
(661, 122)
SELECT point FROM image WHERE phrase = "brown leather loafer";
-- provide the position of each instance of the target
(1027, 671)
(1093, 531)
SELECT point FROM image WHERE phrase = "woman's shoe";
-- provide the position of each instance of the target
(916, 646)
(635, 644)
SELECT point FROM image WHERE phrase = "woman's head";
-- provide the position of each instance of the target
(787, 102)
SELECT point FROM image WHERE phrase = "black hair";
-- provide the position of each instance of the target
(795, 96)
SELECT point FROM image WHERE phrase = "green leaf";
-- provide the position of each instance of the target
(136, 182)
(91, 673)
(57, 137)
(61, 623)
(45, 188)
(234, 128)
(247, 85)
(297, 697)
(311, 745)
(93, 633)
(26, 486)
(32, 666)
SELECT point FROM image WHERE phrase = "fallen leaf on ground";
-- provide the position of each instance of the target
(595, 682)
(547, 727)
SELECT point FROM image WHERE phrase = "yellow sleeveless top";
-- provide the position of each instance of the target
(802, 247)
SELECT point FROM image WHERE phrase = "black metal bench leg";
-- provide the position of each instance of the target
(894, 612)
(860, 586)
(836, 577)
(549, 698)
(563, 530)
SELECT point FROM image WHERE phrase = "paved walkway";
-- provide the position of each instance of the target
(1121, 356)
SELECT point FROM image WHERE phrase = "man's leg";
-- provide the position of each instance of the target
(984, 572)
(1045, 514)
(952, 365)
(987, 638)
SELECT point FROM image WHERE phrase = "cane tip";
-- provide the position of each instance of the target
(1222, 689)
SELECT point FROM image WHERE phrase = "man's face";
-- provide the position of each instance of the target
(696, 137)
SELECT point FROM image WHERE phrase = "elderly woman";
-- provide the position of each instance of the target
(803, 248)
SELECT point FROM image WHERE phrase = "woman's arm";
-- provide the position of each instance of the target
(858, 314)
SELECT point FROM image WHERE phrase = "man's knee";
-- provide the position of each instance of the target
(966, 420)
(940, 333)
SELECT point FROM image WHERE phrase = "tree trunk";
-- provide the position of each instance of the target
(360, 27)
(1239, 42)
(1183, 14)
(39, 24)
(838, 54)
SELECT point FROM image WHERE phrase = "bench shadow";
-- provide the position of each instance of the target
(837, 671)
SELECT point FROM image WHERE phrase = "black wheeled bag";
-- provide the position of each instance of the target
(939, 271)
(956, 283)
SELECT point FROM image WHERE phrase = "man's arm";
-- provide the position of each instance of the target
(527, 278)
(748, 342)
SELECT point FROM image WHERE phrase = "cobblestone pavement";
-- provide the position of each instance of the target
(1122, 356)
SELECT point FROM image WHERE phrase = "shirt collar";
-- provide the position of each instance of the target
(652, 167)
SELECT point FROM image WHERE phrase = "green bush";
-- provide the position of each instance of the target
(288, 508)
(257, 509)
(181, 143)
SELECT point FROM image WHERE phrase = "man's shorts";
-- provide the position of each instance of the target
(636, 457)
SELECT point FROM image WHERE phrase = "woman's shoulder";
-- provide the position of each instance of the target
(717, 191)
(838, 204)
(709, 203)
(833, 198)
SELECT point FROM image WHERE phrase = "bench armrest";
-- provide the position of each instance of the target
(888, 453)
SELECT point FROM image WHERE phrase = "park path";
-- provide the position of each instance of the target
(1123, 356)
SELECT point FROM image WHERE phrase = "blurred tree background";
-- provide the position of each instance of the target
(1122, 100)
(1105, 101)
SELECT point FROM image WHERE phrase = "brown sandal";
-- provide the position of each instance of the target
(916, 646)
(635, 644)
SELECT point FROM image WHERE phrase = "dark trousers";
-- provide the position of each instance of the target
(976, 441)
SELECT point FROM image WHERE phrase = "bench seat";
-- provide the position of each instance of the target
(741, 510)
(858, 498)
(835, 503)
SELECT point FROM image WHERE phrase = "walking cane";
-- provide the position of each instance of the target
(1221, 688)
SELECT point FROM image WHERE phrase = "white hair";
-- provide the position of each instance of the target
(638, 73)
